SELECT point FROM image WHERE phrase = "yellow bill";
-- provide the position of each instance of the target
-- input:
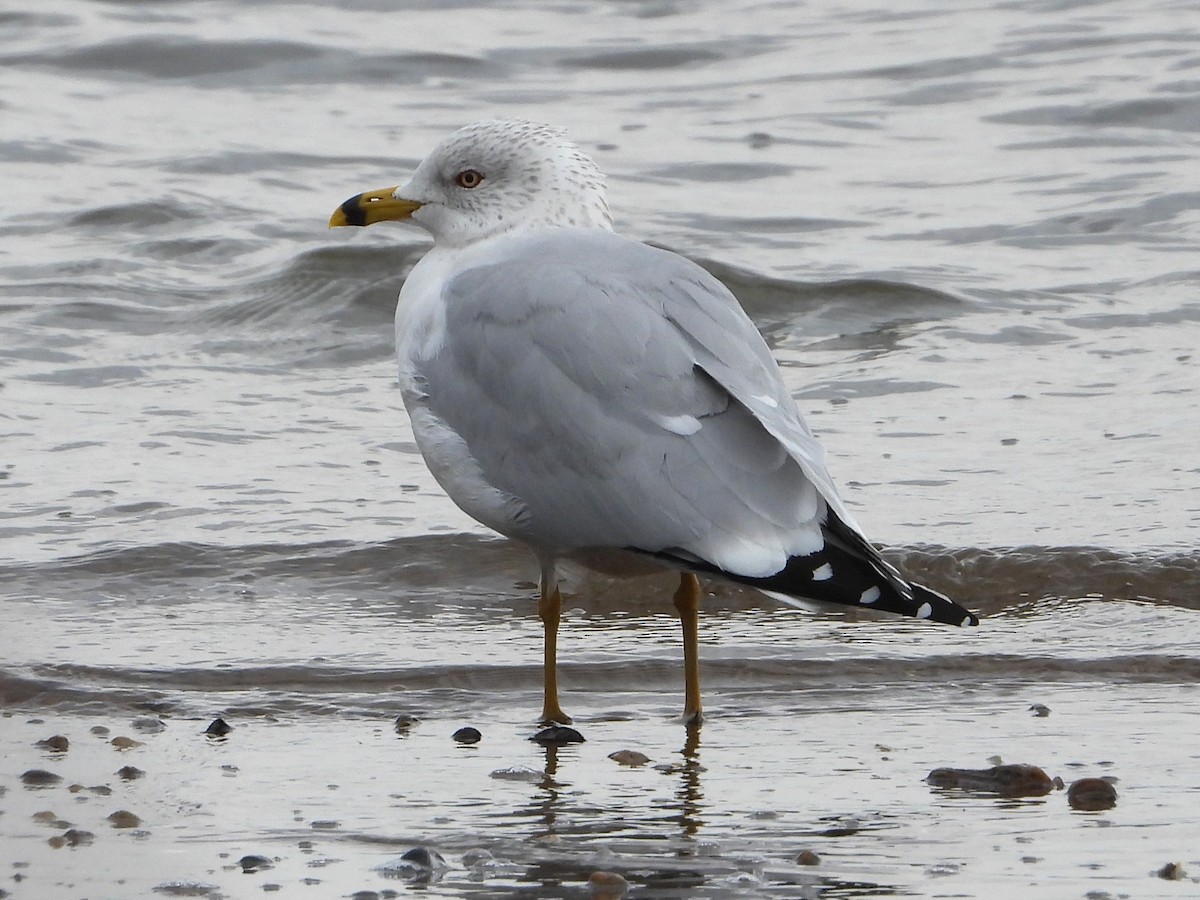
(371, 207)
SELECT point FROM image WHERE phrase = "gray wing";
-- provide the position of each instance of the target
(621, 394)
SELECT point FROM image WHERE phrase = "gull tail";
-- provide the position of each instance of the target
(849, 571)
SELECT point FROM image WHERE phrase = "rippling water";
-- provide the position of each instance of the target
(970, 236)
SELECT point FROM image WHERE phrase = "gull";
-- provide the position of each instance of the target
(604, 401)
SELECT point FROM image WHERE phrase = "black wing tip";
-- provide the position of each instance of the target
(854, 581)
(844, 578)
(941, 608)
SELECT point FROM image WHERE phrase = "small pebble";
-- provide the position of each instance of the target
(101, 790)
(1172, 871)
(808, 858)
(467, 735)
(77, 837)
(99, 730)
(416, 865)
(607, 885)
(125, 743)
(58, 744)
(72, 837)
(252, 862)
(148, 725)
(424, 857)
(39, 778)
(218, 728)
(1091, 795)
(123, 818)
(629, 757)
(518, 773)
(404, 722)
(558, 734)
(130, 773)
(1040, 710)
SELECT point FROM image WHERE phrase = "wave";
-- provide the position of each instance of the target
(329, 689)
(992, 579)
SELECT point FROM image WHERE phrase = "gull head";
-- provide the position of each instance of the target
(489, 178)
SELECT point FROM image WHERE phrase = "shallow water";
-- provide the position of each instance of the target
(971, 238)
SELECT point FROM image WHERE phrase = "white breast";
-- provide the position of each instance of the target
(421, 314)
(421, 335)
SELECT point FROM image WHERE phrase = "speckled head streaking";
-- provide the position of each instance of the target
(488, 178)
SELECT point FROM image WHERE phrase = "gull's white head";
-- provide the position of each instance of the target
(489, 178)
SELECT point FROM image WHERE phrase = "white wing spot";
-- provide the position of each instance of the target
(823, 573)
(682, 425)
(925, 611)
(870, 595)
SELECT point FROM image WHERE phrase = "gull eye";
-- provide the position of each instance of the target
(469, 178)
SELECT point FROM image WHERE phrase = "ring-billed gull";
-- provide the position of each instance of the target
(605, 401)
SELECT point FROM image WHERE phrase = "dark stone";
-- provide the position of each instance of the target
(218, 728)
(1091, 795)
(1008, 781)
(558, 734)
(123, 818)
(39, 778)
(58, 743)
(252, 862)
(607, 885)
(404, 722)
(130, 773)
(419, 856)
(467, 735)
(808, 858)
(77, 837)
(632, 758)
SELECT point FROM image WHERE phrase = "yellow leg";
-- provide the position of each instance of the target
(550, 611)
(687, 602)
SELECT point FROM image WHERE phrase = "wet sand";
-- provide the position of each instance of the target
(310, 795)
